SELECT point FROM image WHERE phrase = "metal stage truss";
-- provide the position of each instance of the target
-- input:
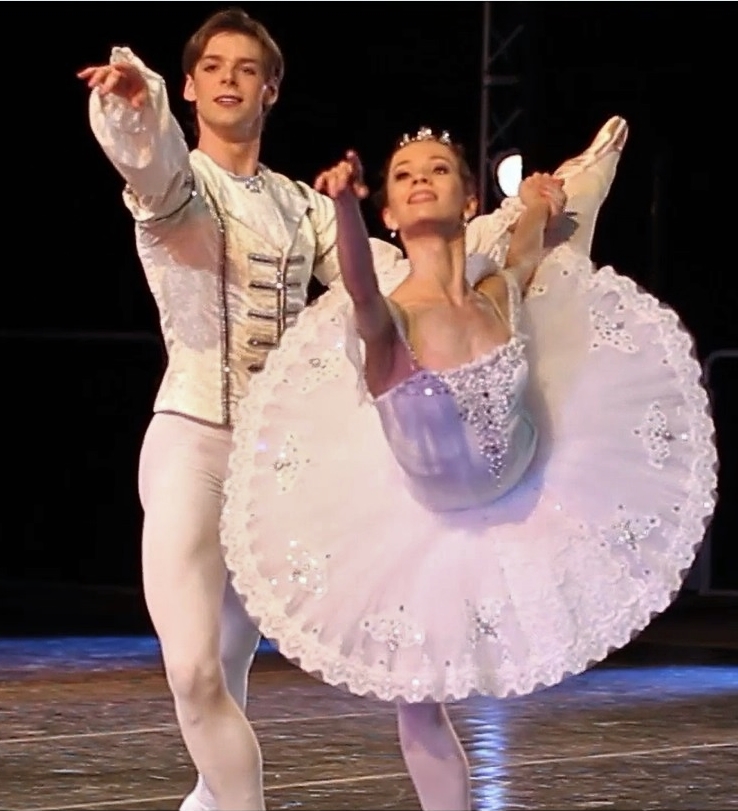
(501, 102)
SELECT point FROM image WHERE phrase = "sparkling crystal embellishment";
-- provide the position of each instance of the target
(485, 398)
(629, 530)
(394, 629)
(253, 183)
(656, 436)
(610, 333)
(425, 134)
(483, 620)
(287, 464)
(305, 570)
(322, 369)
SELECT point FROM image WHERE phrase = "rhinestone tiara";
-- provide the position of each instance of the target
(425, 134)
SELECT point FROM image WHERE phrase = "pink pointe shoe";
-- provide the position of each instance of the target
(587, 181)
(610, 139)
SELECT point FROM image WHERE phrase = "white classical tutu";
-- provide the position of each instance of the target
(363, 587)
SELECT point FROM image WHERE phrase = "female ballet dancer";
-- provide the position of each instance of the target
(515, 487)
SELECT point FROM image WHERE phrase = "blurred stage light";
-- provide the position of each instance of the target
(506, 169)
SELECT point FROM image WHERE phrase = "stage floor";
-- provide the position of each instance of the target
(87, 723)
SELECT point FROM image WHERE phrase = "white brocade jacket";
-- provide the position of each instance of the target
(228, 267)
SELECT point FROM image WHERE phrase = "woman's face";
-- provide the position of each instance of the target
(426, 191)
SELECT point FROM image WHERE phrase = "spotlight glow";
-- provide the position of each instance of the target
(509, 174)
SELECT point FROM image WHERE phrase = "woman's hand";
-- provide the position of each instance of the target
(543, 189)
(346, 177)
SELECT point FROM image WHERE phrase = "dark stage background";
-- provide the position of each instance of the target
(80, 343)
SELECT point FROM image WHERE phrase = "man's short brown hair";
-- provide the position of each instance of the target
(234, 20)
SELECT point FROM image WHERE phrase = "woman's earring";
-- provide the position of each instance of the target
(393, 234)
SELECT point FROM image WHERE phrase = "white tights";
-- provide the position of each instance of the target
(434, 757)
(195, 613)
(586, 191)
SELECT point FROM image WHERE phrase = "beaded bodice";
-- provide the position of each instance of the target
(463, 436)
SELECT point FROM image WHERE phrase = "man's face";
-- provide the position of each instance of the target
(230, 87)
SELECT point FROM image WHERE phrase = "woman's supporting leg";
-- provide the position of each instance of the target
(434, 757)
